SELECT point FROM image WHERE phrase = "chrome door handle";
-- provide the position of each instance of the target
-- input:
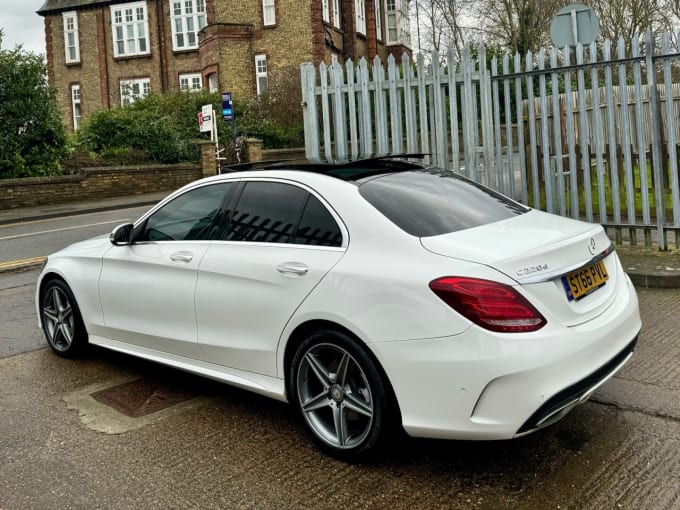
(182, 256)
(293, 269)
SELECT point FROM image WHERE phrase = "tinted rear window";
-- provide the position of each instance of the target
(433, 202)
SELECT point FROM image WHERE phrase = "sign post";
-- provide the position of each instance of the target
(206, 120)
(574, 24)
(208, 124)
(228, 113)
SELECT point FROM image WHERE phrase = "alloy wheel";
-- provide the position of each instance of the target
(58, 318)
(335, 396)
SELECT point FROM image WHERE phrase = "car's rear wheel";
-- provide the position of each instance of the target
(61, 320)
(340, 393)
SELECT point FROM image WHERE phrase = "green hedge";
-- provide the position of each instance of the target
(165, 126)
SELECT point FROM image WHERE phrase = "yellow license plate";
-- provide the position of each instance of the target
(583, 281)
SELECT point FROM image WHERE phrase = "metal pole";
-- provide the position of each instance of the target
(657, 162)
(217, 144)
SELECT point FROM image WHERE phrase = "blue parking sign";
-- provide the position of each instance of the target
(227, 107)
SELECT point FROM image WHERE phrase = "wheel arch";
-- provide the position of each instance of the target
(303, 330)
(45, 279)
(42, 282)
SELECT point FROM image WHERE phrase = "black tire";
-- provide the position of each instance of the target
(340, 393)
(61, 320)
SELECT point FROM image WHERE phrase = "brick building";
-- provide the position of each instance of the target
(105, 53)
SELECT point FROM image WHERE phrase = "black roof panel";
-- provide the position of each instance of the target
(345, 170)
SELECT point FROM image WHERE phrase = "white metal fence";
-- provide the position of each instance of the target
(525, 125)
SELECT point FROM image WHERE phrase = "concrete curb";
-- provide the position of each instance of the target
(655, 281)
(22, 265)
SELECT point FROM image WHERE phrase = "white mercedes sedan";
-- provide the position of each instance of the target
(373, 295)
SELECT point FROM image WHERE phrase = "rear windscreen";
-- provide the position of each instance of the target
(433, 202)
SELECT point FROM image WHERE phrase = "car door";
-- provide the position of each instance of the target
(280, 241)
(147, 288)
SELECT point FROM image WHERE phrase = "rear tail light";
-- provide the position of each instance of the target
(491, 305)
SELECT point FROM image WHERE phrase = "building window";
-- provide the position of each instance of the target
(190, 82)
(269, 12)
(212, 82)
(130, 27)
(188, 18)
(392, 31)
(75, 106)
(405, 24)
(336, 13)
(131, 90)
(398, 22)
(360, 9)
(71, 44)
(261, 73)
(378, 20)
(326, 11)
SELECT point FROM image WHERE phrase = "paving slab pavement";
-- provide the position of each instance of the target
(226, 448)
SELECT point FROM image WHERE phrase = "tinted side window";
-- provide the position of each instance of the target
(317, 226)
(267, 212)
(189, 217)
(430, 203)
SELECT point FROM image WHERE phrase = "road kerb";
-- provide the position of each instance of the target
(16, 265)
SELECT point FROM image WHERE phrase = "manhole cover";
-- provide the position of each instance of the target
(142, 397)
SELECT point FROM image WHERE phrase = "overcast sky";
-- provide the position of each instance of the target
(21, 25)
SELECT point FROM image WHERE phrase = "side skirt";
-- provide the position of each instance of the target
(264, 385)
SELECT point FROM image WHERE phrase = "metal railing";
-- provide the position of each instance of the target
(589, 132)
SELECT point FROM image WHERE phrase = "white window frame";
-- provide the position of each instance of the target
(336, 14)
(398, 22)
(143, 88)
(71, 31)
(75, 106)
(392, 35)
(260, 73)
(405, 34)
(360, 11)
(126, 22)
(187, 19)
(378, 21)
(268, 13)
(213, 85)
(191, 79)
(326, 11)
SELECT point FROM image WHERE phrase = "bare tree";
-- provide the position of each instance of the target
(628, 18)
(445, 24)
(519, 25)
(524, 25)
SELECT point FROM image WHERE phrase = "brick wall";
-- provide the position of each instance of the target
(228, 46)
(99, 73)
(239, 35)
(95, 183)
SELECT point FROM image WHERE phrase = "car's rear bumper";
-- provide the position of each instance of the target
(479, 385)
(561, 403)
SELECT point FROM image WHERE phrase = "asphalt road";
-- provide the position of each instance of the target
(212, 446)
(19, 241)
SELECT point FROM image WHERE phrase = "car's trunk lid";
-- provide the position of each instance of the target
(537, 250)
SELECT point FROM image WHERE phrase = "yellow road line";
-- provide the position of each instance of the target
(18, 264)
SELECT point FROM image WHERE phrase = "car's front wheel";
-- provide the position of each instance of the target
(61, 320)
(340, 393)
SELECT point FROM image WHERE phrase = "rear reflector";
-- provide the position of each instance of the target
(491, 305)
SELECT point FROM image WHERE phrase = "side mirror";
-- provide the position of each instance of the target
(121, 235)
